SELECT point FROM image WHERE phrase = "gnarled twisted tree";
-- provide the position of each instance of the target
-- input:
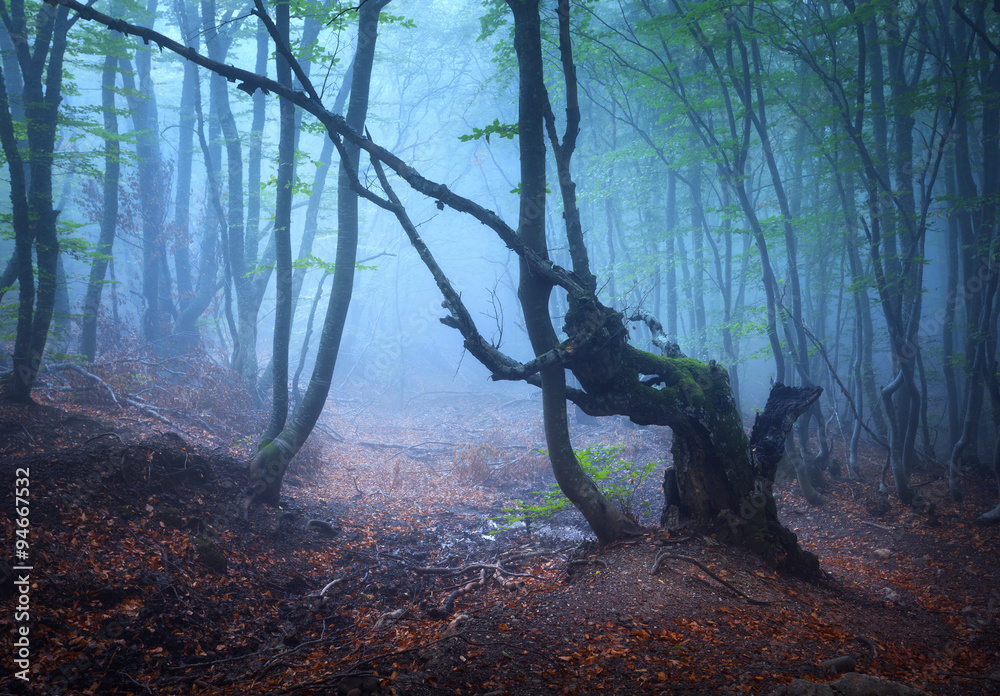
(719, 478)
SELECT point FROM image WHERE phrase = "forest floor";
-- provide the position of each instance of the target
(146, 579)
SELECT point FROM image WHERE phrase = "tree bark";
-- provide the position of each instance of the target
(153, 199)
(109, 215)
(534, 291)
(267, 469)
(185, 161)
(282, 239)
(42, 94)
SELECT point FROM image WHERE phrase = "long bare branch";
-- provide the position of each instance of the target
(335, 125)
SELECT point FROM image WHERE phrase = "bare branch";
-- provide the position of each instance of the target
(668, 347)
(336, 125)
(78, 369)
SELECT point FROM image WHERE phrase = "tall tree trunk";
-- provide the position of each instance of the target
(185, 160)
(534, 291)
(671, 214)
(267, 468)
(142, 104)
(282, 241)
(42, 95)
(698, 226)
(239, 257)
(109, 214)
(24, 368)
(195, 301)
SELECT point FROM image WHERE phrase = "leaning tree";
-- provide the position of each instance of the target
(720, 479)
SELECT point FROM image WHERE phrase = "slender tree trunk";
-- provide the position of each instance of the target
(194, 303)
(238, 256)
(142, 104)
(698, 250)
(8, 278)
(255, 151)
(24, 368)
(283, 242)
(533, 291)
(109, 215)
(729, 346)
(185, 161)
(671, 260)
(267, 468)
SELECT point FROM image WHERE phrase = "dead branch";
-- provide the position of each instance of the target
(662, 556)
(587, 561)
(668, 347)
(330, 585)
(534, 554)
(249, 82)
(89, 375)
(450, 572)
(153, 412)
(879, 526)
(836, 378)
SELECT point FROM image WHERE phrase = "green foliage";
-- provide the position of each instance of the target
(504, 130)
(617, 479)
(309, 262)
(79, 248)
(399, 20)
(517, 189)
(495, 17)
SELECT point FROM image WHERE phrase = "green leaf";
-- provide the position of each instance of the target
(504, 130)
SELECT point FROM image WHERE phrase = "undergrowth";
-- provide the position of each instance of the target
(618, 479)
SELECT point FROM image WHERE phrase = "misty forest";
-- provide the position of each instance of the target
(500, 347)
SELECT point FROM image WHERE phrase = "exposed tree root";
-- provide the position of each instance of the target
(662, 556)
(449, 603)
(989, 518)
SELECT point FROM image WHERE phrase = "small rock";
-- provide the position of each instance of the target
(890, 594)
(456, 625)
(882, 553)
(839, 665)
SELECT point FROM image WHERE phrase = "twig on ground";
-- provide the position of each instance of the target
(98, 437)
(587, 561)
(533, 554)
(449, 602)
(328, 586)
(880, 526)
(28, 434)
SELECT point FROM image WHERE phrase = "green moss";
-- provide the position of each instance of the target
(172, 517)
(209, 554)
